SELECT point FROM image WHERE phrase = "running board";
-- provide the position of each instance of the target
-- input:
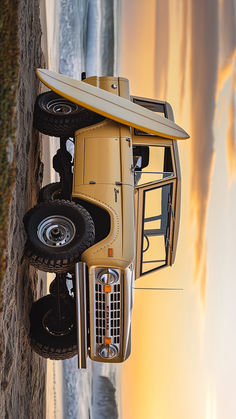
(81, 313)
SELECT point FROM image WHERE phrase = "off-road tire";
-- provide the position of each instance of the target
(50, 192)
(58, 117)
(57, 259)
(42, 342)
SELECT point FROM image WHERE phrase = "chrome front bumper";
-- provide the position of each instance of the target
(81, 313)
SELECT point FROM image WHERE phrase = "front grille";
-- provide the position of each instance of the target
(100, 313)
(114, 313)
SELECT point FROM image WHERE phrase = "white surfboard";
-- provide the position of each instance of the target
(111, 106)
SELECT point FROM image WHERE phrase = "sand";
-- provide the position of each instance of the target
(54, 390)
(22, 372)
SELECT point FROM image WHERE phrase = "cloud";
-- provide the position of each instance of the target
(203, 278)
(161, 60)
(184, 49)
(204, 63)
(195, 33)
(204, 68)
(199, 205)
(231, 139)
(213, 47)
(226, 71)
(227, 16)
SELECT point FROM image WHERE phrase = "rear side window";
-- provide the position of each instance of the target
(152, 106)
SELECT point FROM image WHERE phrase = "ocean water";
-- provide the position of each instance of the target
(88, 41)
(93, 393)
(89, 37)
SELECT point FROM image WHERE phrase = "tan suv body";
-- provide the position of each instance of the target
(134, 179)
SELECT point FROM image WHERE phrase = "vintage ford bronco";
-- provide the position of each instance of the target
(113, 217)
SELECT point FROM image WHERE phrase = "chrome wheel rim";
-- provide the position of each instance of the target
(61, 107)
(56, 231)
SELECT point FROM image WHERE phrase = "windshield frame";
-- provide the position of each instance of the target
(152, 140)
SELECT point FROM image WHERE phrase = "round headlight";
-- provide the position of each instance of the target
(108, 276)
(107, 351)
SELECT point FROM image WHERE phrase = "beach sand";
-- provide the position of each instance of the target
(31, 387)
(54, 390)
(49, 27)
(23, 374)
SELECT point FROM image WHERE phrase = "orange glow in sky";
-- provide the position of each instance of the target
(170, 51)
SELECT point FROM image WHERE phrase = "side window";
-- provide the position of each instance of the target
(152, 106)
(155, 164)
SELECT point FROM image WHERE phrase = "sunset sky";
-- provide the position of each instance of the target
(183, 362)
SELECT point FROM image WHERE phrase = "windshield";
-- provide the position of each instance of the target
(157, 212)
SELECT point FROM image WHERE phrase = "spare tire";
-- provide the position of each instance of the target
(42, 341)
(56, 116)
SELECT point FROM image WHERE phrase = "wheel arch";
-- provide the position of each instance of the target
(101, 218)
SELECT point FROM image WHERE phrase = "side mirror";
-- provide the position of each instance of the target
(137, 162)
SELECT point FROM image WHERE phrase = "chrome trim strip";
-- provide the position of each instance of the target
(81, 312)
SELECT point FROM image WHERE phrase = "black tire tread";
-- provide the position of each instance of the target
(46, 193)
(52, 353)
(58, 263)
(49, 265)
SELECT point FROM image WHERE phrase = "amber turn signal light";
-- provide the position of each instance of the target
(107, 288)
